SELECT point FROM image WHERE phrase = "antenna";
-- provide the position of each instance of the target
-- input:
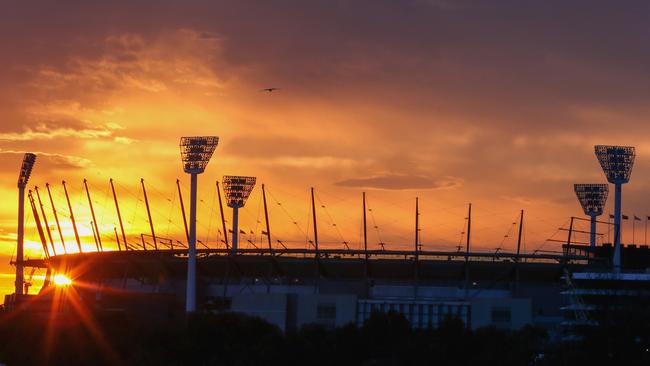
(237, 189)
(29, 160)
(592, 198)
(617, 162)
(195, 154)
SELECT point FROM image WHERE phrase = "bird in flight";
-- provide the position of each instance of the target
(269, 89)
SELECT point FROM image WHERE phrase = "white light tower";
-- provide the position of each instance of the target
(195, 153)
(592, 197)
(25, 171)
(617, 162)
(237, 190)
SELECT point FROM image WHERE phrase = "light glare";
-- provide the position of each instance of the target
(61, 280)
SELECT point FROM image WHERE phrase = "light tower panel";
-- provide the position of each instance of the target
(592, 197)
(196, 152)
(237, 189)
(26, 169)
(616, 161)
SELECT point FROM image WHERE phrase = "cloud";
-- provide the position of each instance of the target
(402, 182)
(45, 132)
(50, 160)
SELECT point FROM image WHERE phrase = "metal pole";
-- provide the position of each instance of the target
(41, 234)
(266, 218)
(92, 227)
(20, 272)
(235, 229)
(317, 255)
(47, 225)
(365, 231)
(190, 302)
(366, 270)
(521, 224)
(117, 238)
(74, 224)
(592, 232)
(417, 229)
(56, 218)
(223, 217)
(119, 217)
(92, 213)
(568, 239)
(313, 211)
(146, 202)
(617, 228)
(609, 229)
(180, 197)
(469, 230)
(633, 227)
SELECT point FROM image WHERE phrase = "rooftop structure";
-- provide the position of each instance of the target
(617, 162)
(195, 153)
(25, 171)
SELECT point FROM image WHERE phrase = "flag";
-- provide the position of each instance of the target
(625, 217)
(636, 218)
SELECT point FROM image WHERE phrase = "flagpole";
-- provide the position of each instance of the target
(633, 227)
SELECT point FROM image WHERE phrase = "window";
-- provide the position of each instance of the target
(501, 314)
(326, 311)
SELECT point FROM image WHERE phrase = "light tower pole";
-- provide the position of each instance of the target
(195, 154)
(237, 189)
(592, 198)
(617, 162)
(25, 171)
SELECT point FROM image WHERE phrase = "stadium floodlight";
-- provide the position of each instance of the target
(592, 198)
(195, 153)
(237, 189)
(617, 162)
(25, 172)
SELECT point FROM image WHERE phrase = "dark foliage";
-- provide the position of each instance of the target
(234, 339)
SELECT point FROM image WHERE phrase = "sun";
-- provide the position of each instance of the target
(61, 280)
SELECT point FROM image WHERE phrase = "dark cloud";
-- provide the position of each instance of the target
(401, 182)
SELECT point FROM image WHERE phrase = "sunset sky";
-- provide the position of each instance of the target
(498, 103)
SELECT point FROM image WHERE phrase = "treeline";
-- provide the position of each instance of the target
(235, 339)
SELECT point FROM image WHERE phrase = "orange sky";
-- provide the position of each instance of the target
(497, 103)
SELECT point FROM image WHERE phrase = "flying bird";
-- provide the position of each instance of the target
(269, 89)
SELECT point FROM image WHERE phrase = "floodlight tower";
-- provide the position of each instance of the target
(195, 154)
(25, 171)
(237, 190)
(617, 162)
(592, 198)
